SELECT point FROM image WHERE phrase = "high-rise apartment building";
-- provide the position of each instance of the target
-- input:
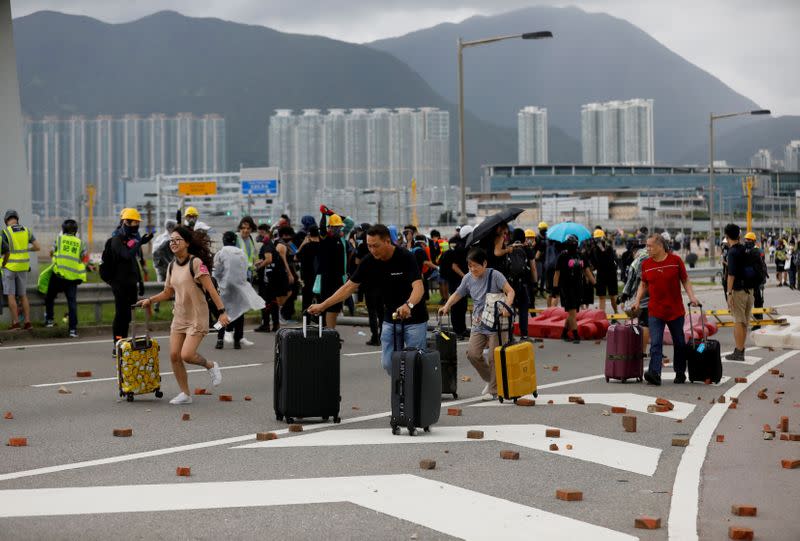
(532, 136)
(761, 159)
(792, 157)
(65, 155)
(358, 149)
(618, 132)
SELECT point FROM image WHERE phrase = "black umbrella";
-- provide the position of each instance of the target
(487, 226)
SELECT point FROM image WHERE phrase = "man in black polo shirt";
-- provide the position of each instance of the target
(743, 277)
(394, 270)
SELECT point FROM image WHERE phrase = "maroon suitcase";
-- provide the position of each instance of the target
(624, 352)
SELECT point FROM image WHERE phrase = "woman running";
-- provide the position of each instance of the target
(188, 279)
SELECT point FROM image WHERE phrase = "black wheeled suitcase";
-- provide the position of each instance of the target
(445, 341)
(703, 357)
(416, 387)
(306, 382)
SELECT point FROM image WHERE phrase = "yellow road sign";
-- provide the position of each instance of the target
(198, 188)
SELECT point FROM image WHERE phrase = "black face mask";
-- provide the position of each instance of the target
(572, 248)
(130, 230)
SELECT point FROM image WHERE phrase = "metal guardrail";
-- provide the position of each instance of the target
(713, 273)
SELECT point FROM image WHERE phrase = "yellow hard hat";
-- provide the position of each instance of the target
(130, 214)
(542, 225)
(750, 236)
(599, 234)
(530, 233)
(191, 211)
(335, 221)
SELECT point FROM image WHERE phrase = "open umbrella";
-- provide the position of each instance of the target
(487, 226)
(560, 232)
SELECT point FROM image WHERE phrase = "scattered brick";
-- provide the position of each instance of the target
(525, 402)
(552, 433)
(186, 417)
(740, 532)
(183, 471)
(475, 434)
(784, 424)
(665, 402)
(455, 412)
(720, 438)
(780, 392)
(295, 428)
(553, 447)
(647, 523)
(569, 447)
(550, 402)
(580, 401)
(200, 391)
(790, 437)
(466, 378)
(574, 399)
(776, 401)
(707, 382)
(356, 408)
(225, 398)
(744, 510)
(678, 420)
(629, 423)
(17, 442)
(762, 395)
(618, 409)
(266, 436)
(780, 375)
(123, 432)
(509, 455)
(541, 346)
(248, 398)
(790, 464)
(8, 415)
(657, 408)
(569, 495)
(64, 390)
(84, 373)
(680, 442)
(721, 399)
(767, 427)
(740, 380)
(427, 464)
(734, 400)
(732, 406)
(554, 369)
(774, 371)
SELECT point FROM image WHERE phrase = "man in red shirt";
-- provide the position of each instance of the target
(662, 276)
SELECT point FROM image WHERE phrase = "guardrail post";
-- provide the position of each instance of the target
(98, 313)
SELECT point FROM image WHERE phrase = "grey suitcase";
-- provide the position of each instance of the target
(416, 388)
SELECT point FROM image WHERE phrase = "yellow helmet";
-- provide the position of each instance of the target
(599, 234)
(191, 211)
(335, 221)
(530, 233)
(130, 214)
(542, 225)
(750, 236)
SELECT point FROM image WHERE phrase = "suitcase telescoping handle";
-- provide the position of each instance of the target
(146, 321)
(305, 325)
(702, 321)
(402, 333)
(498, 322)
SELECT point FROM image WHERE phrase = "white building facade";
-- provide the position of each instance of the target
(761, 159)
(792, 157)
(618, 133)
(532, 136)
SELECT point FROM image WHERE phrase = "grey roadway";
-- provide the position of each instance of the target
(66, 429)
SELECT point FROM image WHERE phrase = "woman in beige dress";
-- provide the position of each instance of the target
(188, 279)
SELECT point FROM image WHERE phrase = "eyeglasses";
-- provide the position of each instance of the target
(175, 241)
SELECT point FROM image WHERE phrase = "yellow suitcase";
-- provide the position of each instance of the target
(138, 370)
(515, 367)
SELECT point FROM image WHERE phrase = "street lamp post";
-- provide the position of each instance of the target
(712, 117)
(461, 46)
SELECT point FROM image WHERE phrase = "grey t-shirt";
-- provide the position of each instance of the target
(476, 288)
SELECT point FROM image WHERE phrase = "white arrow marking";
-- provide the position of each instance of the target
(439, 506)
(613, 453)
(669, 376)
(636, 402)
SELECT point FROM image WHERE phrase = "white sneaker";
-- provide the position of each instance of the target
(228, 338)
(485, 389)
(246, 343)
(182, 398)
(216, 375)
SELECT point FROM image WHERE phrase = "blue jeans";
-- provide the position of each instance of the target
(657, 344)
(413, 337)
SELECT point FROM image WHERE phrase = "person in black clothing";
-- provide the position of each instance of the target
(522, 276)
(128, 283)
(272, 282)
(453, 266)
(743, 278)
(287, 236)
(572, 268)
(426, 266)
(307, 256)
(331, 263)
(496, 247)
(540, 249)
(394, 270)
(588, 292)
(604, 260)
(372, 294)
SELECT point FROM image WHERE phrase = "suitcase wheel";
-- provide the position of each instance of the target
(129, 397)
(606, 379)
(290, 420)
(279, 417)
(395, 430)
(455, 396)
(514, 400)
(412, 431)
(500, 398)
(536, 394)
(624, 380)
(159, 394)
(427, 429)
(325, 419)
(337, 420)
(639, 380)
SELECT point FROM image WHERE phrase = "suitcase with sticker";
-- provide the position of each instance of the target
(514, 362)
(138, 369)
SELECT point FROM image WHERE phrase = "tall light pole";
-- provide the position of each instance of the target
(712, 248)
(461, 46)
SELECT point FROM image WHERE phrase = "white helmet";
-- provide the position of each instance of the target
(666, 236)
(465, 230)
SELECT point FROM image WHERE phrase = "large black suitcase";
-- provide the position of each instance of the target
(703, 357)
(445, 341)
(306, 382)
(416, 387)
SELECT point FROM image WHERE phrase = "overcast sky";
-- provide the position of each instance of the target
(755, 50)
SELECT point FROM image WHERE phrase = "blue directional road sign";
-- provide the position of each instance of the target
(260, 187)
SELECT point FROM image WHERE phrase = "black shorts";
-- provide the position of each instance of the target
(550, 273)
(607, 288)
(571, 298)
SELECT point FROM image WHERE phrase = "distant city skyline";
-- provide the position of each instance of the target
(708, 34)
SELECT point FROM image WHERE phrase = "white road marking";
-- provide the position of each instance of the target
(786, 305)
(227, 441)
(70, 343)
(94, 380)
(378, 351)
(748, 359)
(609, 452)
(685, 502)
(669, 376)
(446, 508)
(632, 401)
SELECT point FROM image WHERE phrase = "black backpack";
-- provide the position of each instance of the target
(108, 263)
(517, 264)
(755, 269)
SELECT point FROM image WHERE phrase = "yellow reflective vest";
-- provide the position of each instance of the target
(19, 259)
(67, 262)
